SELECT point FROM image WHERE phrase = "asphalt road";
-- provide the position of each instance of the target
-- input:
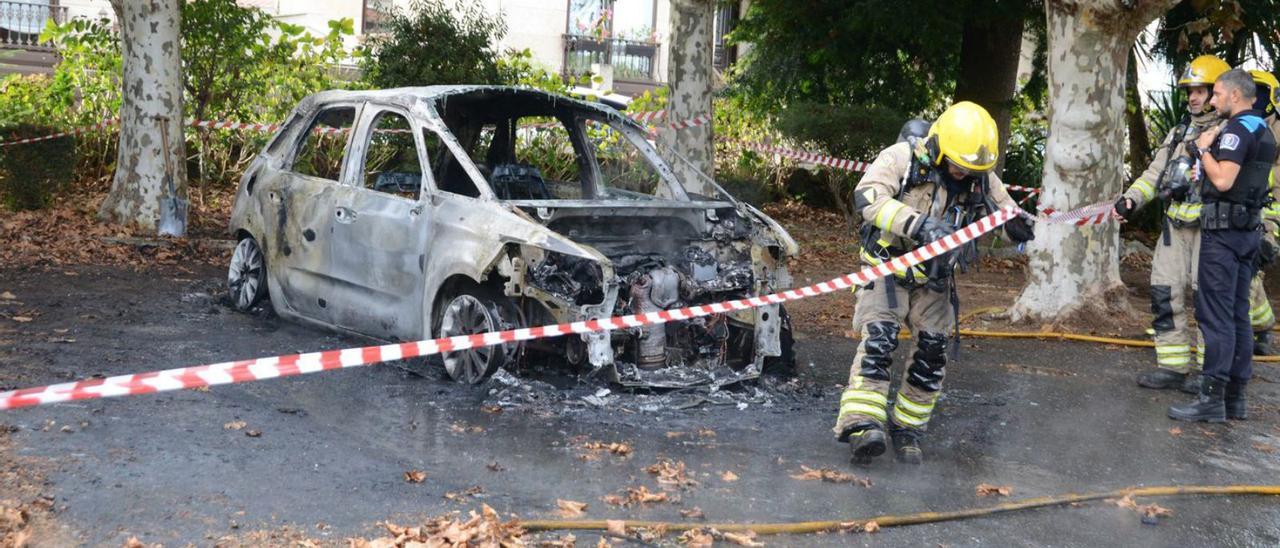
(1041, 418)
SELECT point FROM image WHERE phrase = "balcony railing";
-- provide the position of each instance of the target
(21, 23)
(631, 59)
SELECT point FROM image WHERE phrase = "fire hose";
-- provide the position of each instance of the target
(858, 524)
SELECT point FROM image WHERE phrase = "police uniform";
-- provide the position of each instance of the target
(905, 188)
(1231, 223)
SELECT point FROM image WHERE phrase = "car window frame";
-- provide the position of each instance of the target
(364, 128)
(436, 125)
(301, 138)
(637, 140)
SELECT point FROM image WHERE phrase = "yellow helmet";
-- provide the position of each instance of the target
(1268, 90)
(966, 135)
(1203, 71)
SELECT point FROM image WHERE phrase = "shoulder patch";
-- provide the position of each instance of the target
(1229, 142)
(1250, 122)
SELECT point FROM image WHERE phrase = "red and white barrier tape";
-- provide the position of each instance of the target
(1094, 214)
(811, 157)
(77, 131)
(298, 364)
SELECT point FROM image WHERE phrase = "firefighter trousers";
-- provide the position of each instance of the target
(882, 309)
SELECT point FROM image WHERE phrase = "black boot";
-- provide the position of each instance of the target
(866, 442)
(1209, 407)
(1233, 398)
(1192, 384)
(1162, 379)
(1262, 344)
(906, 445)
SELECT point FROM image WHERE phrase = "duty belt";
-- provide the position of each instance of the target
(1229, 216)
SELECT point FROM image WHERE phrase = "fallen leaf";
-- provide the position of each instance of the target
(566, 542)
(706, 433)
(828, 475)
(199, 389)
(133, 542)
(21, 319)
(8, 296)
(986, 489)
(675, 435)
(253, 433)
(1175, 431)
(602, 543)
(415, 476)
(696, 538)
(693, 513)
(1264, 448)
(496, 410)
(871, 527)
(495, 467)
(728, 476)
(570, 508)
(614, 500)
(460, 495)
(616, 448)
(616, 527)
(235, 425)
(671, 473)
(742, 539)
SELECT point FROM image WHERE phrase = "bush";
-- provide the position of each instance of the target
(31, 173)
(436, 43)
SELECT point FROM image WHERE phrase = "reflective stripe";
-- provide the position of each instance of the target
(1261, 315)
(1272, 212)
(1148, 192)
(922, 409)
(888, 212)
(916, 272)
(1184, 212)
(1173, 349)
(1182, 359)
(864, 396)
(905, 419)
(856, 408)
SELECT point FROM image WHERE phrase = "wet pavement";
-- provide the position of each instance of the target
(1041, 418)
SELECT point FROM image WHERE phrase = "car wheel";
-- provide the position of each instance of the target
(247, 275)
(468, 314)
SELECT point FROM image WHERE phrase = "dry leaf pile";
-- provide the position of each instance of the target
(828, 475)
(671, 473)
(706, 537)
(570, 508)
(636, 495)
(483, 529)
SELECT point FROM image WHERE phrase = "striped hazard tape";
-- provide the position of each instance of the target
(314, 362)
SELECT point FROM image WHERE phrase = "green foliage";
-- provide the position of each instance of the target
(1024, 154)
(436, 42)
(1166, 112)
(31, 173)
(1235, 30)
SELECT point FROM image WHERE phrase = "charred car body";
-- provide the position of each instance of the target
(416, 213)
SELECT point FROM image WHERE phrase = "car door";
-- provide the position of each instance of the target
(379, 225)
(300, 205)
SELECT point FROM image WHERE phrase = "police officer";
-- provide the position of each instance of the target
(1235, 167)
(1173, 264)
(915, 192)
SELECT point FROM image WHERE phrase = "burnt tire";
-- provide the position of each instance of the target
(785, 364)
(247, 275)
(470, 313)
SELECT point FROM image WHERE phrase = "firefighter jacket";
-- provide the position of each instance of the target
(1184, 212)
(901, 188)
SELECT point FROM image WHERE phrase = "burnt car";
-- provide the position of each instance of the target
(416, 213)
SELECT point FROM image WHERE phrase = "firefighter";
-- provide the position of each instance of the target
(915, 192)
(1261, 316)
(1173, 265)
(1236, 164)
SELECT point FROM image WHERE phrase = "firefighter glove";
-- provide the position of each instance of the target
(932, 229)
(1020, 229)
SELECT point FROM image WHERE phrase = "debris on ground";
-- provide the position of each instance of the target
(415, 476)
(235, 425)
(636, 495)
(1151, 513)
(458, 496)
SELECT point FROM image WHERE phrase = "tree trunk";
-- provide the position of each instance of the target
(1076, 269)
(989, 53)
(689, 73)
(152, 83)
(1136, 119)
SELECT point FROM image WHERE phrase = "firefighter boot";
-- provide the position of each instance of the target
(1193, 383)
(1162, 379)
(1233, 398)
(866, 442)
(1262, 344)
(906, 444)
(1210, 406)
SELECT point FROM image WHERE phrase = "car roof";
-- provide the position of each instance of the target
(408, 96)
